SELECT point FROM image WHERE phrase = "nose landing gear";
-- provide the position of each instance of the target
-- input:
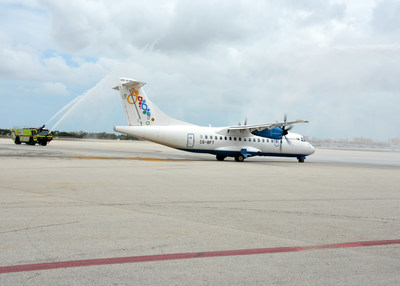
(301, 159)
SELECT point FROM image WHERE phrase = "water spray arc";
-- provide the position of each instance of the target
(63, 110)
(87, 97)
(67, 110)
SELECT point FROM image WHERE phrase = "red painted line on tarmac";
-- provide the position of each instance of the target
(175, 256)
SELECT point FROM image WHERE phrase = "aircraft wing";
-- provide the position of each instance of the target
(260, 127)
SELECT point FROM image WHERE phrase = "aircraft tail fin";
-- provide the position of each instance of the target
(139, 110)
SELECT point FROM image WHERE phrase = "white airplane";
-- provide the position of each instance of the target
(148, 122)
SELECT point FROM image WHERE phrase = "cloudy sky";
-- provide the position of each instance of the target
(335, 63)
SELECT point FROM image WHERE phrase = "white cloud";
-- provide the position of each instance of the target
(385, 17)
(52, 89)
(335, 63)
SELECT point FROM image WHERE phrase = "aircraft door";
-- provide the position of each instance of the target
(190, 140)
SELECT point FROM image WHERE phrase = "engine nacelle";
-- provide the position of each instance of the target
(274, 133)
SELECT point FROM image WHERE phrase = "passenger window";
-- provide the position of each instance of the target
(226, 138)
(220, 137)
(234, 138)
(240, 138)
(254, 140)
(263, 141)
(230, 138)
(205, 137)
(258, 139)
(216, 137)
(201, 136)
(244, 139)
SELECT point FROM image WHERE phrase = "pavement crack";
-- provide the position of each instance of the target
(39, 226)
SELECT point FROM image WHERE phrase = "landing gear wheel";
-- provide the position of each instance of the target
(301, 159)
(17, 140)
(239, 158)
(221, 157)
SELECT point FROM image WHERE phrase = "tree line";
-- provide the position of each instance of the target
(79, 135)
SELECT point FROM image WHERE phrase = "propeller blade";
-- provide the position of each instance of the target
(288, 141)
(245, 120)
(285, 129)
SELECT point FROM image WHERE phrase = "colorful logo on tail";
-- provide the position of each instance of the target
(134, 98)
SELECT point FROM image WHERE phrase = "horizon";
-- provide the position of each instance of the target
(359, 140)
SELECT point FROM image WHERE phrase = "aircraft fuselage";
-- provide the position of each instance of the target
(218, 141)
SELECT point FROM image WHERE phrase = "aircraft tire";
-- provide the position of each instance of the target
(239, 158)
(221, 157)
(301, 159)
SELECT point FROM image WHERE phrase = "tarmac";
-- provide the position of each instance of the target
(97, 212)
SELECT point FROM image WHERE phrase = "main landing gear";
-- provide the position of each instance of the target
(221, 157)
(238, 158)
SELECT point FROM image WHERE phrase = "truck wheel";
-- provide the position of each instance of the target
(31, 141)
(17, 141)
(44, 143)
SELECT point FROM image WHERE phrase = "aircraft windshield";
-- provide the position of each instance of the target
(44, 133)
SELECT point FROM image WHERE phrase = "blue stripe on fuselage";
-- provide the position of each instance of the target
(235, 153)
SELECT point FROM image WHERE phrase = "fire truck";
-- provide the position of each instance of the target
(31, 136)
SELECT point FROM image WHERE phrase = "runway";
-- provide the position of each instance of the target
(77, 202)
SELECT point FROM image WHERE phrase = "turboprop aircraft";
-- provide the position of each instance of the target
(146, 121)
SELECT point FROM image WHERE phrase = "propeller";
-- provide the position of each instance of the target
(285, 131)
(245, 122)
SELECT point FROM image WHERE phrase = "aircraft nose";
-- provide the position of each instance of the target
(312, 149)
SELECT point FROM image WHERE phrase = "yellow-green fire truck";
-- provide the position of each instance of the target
(31, 136)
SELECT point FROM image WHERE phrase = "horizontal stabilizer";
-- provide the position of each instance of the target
(130, 83)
